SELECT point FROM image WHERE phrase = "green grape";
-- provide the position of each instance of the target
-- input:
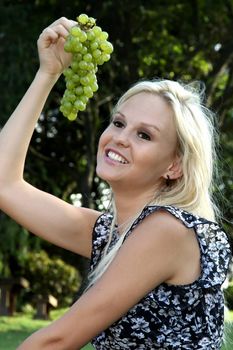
(90, 35)
(83, 36)
(75, 67)
(67, 105)
(79, 105)
(106, 57)
(100, 60)
(94, 45)
(77, 57)
(83, 18)
(90, 66)
(83, 98)
(84, 81)
(68, 73)
(62, 109)
(92, 78)
(82, 73)
(89, 48)
(87, 57)
(96, 53)
(103, 36)
(84, 50)
(83, 65)
(71, 97)
(70, 85)
(97, 30)
(68, 46)
(75, 78)
(75, 31)
(79, 90)
(75, 44)
(92, 21)
(88, 91)
(72, 116)
(107, 47)
(94, 87)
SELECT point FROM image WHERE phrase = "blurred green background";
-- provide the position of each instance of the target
(181, 40)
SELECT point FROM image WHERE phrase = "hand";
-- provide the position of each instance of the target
(53, 58)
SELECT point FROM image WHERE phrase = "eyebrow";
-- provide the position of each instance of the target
(141, 123)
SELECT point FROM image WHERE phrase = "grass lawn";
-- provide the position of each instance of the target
(13, 330)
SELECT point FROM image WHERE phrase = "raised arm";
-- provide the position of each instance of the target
(41, 213)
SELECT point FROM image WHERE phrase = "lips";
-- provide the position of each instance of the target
(116, 156)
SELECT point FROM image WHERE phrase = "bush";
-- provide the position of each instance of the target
(51, 275)
(228, 294)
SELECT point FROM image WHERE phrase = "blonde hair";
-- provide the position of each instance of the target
(196, 148)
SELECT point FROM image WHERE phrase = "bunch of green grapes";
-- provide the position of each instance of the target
(89, 47)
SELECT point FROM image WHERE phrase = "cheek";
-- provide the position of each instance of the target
(154, 162)
(105, 136)
(103, 140)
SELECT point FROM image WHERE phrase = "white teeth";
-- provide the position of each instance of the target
(116, 157)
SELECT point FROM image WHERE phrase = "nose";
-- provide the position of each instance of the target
(122, 137)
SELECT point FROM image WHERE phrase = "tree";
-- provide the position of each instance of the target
(51, 276)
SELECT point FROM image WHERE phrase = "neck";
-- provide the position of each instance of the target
(129, 206)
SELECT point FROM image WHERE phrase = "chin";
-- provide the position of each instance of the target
(105, 176)
(101, 173)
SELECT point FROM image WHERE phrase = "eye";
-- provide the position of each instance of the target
(143, 135)
(118, 123)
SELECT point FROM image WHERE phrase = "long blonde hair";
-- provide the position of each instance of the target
(196, 139)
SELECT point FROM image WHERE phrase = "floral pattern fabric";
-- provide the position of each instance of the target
(172, 317)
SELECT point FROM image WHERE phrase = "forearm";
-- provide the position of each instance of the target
(16, 134)
(75, 328)
(58, 336)
(42, 340)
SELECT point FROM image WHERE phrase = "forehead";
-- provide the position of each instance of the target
(149, 108)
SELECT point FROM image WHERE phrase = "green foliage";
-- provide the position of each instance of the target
(51, 275)
(15, 246)
(228, 294)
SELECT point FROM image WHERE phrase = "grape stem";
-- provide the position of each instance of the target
(86, 26)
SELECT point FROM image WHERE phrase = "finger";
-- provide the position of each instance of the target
(47, 37)
(60, 30)
(52, 34)
(65, 22)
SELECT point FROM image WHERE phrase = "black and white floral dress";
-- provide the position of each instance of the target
(172, 316)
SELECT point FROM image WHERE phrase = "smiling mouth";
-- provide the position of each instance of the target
(116, 157)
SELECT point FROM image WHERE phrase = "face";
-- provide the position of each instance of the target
(138, 148)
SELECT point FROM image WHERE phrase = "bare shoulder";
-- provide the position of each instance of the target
(176, 244)
(163, 225)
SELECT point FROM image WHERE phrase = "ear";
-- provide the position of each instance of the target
(174, 171)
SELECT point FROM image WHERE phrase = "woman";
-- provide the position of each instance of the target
(158, 260)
